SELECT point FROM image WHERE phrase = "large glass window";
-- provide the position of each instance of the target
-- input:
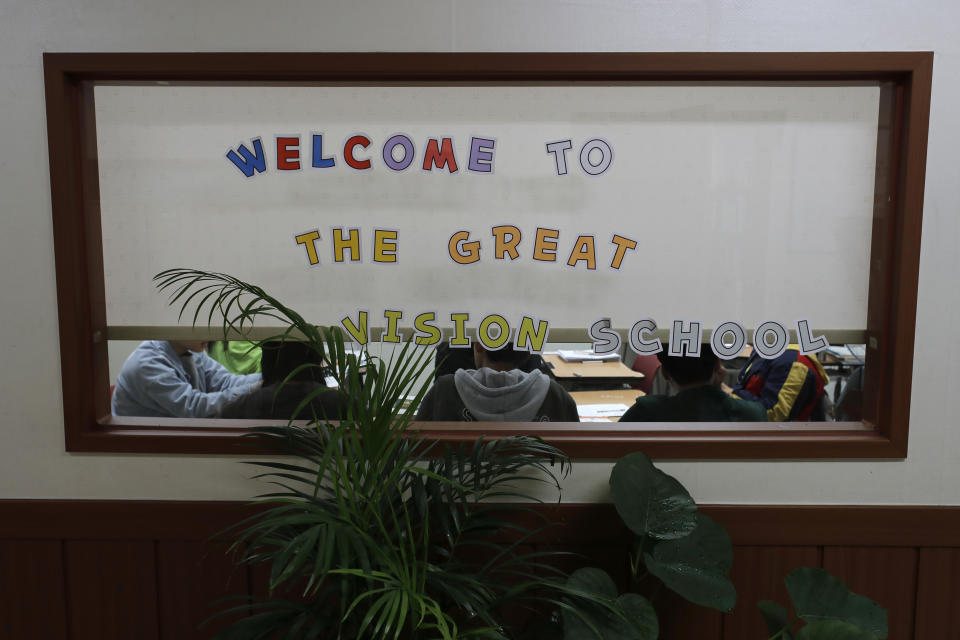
(619, 199)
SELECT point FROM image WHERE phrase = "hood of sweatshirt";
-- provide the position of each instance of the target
(501, 395)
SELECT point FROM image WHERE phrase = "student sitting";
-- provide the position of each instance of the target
(238, 356)
(699, 397)
(448, 359)
(790, 387)
(279, 400)
(497, 390)
(176, 380)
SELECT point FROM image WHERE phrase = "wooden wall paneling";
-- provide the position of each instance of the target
(611, 558)
(590, 537)
(192, 578)
(594, 524)
(33, 602)
(758, 574)
(112, 590)
(128, 520)
(839, 525)
(517, 615)
(128, 569)
(938, 594)
(887, 575)
(681, 619)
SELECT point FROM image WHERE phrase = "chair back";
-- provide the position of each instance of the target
(648, 365)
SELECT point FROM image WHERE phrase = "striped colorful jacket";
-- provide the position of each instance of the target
(790, 387)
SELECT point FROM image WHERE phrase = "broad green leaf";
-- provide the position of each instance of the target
(651, 502)
(775, 615)
(817, 595)
(642, 616)
(629, 617)
(834, 630)
(593, 580)
(696, 566)
(582, 623)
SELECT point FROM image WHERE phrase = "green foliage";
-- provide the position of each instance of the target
(833, 630)
(372, 531)
(817, 595)
(690, 553)
(651, 502)
(627, 616)
(696, 566)
(829, 609)
(687, 551)
(775, 615)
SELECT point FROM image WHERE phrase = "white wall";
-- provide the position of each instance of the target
(32, 461)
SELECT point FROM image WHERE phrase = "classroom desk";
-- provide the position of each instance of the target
(625, 397)
(611, 374)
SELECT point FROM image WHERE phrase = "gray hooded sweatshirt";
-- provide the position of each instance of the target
(488, 395)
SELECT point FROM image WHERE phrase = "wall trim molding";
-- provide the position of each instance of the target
(579, 523)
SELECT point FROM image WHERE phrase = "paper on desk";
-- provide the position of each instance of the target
(848, 351)
(858, 350)
(600, 411)
(585, 355)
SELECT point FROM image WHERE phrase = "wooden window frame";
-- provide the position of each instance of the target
(905, 79)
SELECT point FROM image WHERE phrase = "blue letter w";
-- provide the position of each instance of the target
(250, 161)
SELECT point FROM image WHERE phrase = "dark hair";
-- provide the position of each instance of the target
(448, 360)
(280, 358)
(507, 355)
(688, 369)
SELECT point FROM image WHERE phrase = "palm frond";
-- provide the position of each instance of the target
(379, 530)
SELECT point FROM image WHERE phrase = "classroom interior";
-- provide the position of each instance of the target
(603, 386)
(106, 531)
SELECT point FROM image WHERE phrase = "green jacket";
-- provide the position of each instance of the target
(706, 403)
(238, 356)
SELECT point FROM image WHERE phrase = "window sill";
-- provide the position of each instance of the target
(583, 440)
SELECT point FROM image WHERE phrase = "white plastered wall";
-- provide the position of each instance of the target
(33, 463)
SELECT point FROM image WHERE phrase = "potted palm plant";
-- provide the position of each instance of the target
(373, 530)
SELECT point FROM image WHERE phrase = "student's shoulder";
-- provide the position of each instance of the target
(646, 408)
(558, 404)
(155, 347)
(441, 400)
(559, 394)
(249, 405)
(746, 410)
(149, 356)
(444, 383)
